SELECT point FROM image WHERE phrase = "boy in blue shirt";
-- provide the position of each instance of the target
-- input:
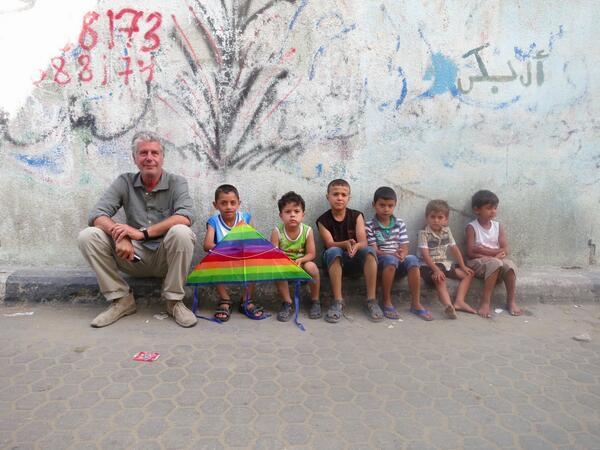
(227, 202)
(387, 235)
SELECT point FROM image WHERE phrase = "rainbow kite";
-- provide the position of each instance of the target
(245, 256)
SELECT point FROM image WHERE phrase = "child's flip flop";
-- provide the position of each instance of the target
(391, 312)
(422, 313)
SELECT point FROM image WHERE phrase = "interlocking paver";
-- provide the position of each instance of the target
(462, 384)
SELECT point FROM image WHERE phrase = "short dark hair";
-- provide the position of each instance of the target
(290, 197)
(338, 182)
(437, 206)
(482, 198)
(384, 193)
(226, 189)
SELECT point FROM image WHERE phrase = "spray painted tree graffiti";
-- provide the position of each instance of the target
(226, 97)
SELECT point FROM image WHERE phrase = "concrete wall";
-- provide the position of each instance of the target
(283, 94)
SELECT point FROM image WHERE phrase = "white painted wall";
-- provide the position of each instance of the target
(356, 89)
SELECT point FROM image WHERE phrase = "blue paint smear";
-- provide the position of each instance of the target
(523, 55)
(76, 52)
(444, 73)
(41, 162)
(404, 91)
(319, 169)
(447, 163)
(397, 43)
(488, 105)
(303, 4)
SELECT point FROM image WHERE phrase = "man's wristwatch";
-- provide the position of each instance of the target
(146, 235)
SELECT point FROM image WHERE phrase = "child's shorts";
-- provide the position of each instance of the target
(402, 267)
(349, 265)
(427, 273)
(484, 267)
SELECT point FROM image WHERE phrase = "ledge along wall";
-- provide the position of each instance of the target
(436, 99)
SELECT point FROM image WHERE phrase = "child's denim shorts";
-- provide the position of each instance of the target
(402, 267)
(350, 265)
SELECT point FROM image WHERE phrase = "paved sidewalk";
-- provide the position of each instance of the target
(470, 383)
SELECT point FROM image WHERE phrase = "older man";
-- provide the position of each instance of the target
(156, 241)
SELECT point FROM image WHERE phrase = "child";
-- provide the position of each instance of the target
(387, 236)
(343, 233)
(297, 241)
(434, 241)
(227, 202)
(487, 249)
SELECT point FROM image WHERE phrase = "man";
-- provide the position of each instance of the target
(156, 241)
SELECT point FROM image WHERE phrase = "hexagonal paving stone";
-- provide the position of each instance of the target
(294, 413)
(136, 399)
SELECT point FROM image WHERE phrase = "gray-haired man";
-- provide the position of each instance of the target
(156, 241)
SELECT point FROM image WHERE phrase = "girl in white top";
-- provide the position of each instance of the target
(487, 250)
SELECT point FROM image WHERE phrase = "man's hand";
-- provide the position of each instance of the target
(401, 253)
(351, 247)
(501, 255)
(124, 249)
(123, 231)
(438, 275)
(467, 270)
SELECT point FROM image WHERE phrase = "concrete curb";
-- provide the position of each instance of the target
(535, 285)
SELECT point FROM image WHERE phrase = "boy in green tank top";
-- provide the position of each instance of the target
(296, 239)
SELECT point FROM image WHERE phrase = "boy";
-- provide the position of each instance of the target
(227, 202)
(487, 249)
(343, 233)
(297, 241)
(387, 236)
(434, 241)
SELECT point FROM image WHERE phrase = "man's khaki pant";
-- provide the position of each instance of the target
(171, 261)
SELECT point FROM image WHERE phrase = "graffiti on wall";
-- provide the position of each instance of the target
(129, 26)
(485, 77)
(227, 97)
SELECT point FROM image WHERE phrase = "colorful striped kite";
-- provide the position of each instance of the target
(245, 256)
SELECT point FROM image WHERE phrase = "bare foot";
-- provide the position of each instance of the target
(450, 312)
(513, 309)
(484, 311)
(463, 307)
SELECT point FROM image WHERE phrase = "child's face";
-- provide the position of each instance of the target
(291, 215)
(437, 220)
(338, 197)
(227, 204)
(384, 208)
(486, 212)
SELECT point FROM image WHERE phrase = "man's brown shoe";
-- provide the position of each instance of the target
(119, 308)
(181, 314)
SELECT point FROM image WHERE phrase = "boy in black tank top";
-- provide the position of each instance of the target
(346, 250)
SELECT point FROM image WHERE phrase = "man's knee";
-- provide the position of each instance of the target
(181, 237)
(90, 235)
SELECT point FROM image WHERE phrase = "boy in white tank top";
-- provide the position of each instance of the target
(487, 250)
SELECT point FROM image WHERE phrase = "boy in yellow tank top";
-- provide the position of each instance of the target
(297, 240)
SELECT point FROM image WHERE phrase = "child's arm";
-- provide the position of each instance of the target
(275, 237)
(437, 273)
(329, 242)
(361, 236)
(209, 238)
(459, 259)
(474, 250)
(502, 242)
(310, 250)
(402, 252)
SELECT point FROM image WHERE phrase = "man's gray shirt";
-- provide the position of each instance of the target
(143, 209)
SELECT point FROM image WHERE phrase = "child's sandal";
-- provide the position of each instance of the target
(252, 311)
(223, 311)
(286, 311)
(315, 310)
